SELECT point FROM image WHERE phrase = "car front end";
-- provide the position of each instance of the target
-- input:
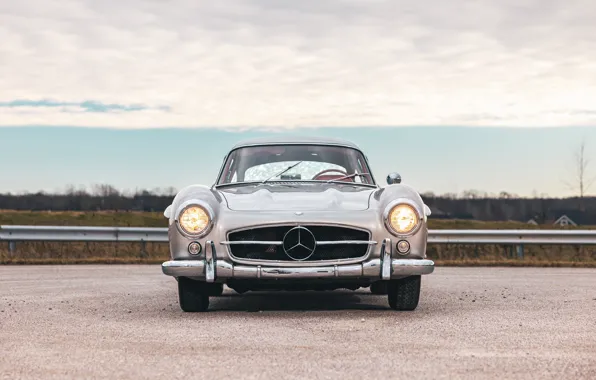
(323, 236)
(334, 245)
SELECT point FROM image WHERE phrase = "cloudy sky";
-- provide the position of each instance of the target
(265, 63)
(157, 74)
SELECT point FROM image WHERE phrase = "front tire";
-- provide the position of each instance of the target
(192, 295)
(404, 294)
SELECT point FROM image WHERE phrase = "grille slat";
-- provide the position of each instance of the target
(327, 235)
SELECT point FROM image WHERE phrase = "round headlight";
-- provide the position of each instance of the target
(194, 220)
(403, 219)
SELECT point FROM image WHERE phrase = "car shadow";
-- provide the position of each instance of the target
(297, 301)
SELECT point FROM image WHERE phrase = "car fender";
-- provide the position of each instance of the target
(194, 193)
(391, 194)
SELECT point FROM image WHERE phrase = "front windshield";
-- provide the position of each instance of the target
(308, 163)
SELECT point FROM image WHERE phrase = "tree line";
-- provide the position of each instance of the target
(98, 198)
(469, 204)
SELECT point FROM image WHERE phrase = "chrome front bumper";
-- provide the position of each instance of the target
(385, 268)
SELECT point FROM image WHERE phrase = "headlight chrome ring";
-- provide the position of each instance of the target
(203, 216)
(407, 213)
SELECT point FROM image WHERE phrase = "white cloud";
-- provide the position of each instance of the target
(301, 63)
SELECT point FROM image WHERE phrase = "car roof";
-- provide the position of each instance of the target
(296, 140)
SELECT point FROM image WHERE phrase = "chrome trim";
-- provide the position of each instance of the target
(190, 203)
(298, 272)
(210, 261)
(386, 250)
(325, 242)
(184, 268)
(390, 207)
(288, 263)
(405, 267)
(370, 269)
(296, 224)
(256, 242)
(336, 242)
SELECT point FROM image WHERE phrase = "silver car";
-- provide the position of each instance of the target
(297, 214)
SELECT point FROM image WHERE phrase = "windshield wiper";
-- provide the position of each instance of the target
(347, 177)
(283, 171)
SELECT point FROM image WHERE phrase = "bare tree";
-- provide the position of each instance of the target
(428, 194)
(506, 195)
(104, 190)
(472, 194)
(170, 191)
(448, 196)
(582, 181)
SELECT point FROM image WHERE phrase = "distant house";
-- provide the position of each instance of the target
(575, 218)
(563, 217)
(564, 220)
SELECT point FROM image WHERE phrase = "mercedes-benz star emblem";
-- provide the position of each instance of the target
(299, 243)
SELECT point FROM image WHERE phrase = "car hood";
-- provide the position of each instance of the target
(284, 199)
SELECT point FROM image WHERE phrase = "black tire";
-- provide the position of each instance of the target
(192, 295)
(379, 287)
(404, 294)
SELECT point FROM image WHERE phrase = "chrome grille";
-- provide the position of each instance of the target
(267, 243)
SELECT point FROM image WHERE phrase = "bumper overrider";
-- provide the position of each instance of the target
(210, 269)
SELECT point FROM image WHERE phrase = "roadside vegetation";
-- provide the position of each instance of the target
(120, 253)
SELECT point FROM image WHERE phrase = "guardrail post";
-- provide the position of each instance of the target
(12, 246)
(520, 251)
(143, 249)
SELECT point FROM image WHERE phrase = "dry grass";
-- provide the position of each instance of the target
(77, 218)
(94, 253)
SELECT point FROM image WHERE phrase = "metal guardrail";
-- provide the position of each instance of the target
(83, 234)
(512, 237)
(517, 238)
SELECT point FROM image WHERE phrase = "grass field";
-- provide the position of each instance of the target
(92, 253)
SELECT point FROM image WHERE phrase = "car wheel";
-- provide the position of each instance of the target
(379, 287)
(404, 294)
(193, 296)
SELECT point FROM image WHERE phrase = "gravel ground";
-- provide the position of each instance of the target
(123, 321)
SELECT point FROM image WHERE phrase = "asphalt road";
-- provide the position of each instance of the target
(124, 322)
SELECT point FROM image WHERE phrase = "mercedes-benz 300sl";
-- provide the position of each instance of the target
(298, 214)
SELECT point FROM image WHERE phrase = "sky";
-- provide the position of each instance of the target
(435, 74)
(439, 159)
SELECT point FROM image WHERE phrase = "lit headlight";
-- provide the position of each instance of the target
(402, 219)
(194, 220)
